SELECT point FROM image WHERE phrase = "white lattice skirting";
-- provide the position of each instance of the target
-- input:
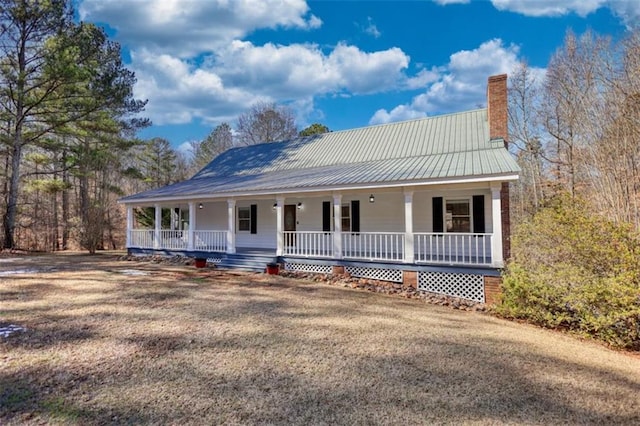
(465, 286)
(214, 259)
(392, 275)
(303, 267)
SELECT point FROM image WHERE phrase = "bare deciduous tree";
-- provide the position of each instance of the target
(525, 138)
(266, 122)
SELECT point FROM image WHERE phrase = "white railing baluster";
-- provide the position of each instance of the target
(453, 248)
(308, 243)
(373, 245)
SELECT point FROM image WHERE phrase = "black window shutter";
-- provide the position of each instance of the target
(478, 214)
(254, 218)
(438, 219)
(355, 216)
(326, 216)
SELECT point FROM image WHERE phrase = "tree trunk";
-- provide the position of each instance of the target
(65, 202)
(12, 199)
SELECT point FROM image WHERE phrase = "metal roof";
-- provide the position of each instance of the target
(434, 148)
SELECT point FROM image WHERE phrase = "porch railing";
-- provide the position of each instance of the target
(178, 240)
(453, 248)
(173, 239)
(438, 248)
(308, 243)
(373, 245)
(142, 238)
(210, 240)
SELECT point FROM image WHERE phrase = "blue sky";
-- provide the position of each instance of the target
(341, 63)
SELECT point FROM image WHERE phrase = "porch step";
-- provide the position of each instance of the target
(246, 261)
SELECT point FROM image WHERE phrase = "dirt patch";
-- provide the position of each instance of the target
(176, 344)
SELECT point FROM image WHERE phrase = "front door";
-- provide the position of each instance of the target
(290, 224)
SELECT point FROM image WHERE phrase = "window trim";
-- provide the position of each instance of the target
(445, 201)
(247, 219)
(343, 217)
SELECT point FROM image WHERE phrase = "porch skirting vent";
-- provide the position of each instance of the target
(303, 267)
(214, 259)
(392, 275)
(466, 286)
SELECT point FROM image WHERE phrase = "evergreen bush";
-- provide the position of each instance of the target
(575, 270)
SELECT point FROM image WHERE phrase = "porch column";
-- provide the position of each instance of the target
(337, 226)
(129, 224)
(158, 225)
(279, 226)
(231, 228)
(175, 219)
(409, 255)
(496, 215)
(192, 226)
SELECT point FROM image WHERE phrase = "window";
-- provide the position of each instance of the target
(244, 219)
(346, 218)
(458, 216)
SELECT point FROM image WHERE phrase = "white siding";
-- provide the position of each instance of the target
(212, 216)
(309, 216)
(266, 229)
(386, 214)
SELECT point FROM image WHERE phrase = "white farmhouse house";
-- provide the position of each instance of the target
(424, 202)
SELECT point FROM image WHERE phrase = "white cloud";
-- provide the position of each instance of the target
(186, 149)
(447, 2)
(422, 78)
(178, 92)
(192, 63)
(186, 28)
(222, 86)
(399, 113)
(372, 29)
(627, 10)
(459, 85)
(549, 8)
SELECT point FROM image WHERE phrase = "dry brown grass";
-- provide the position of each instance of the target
(182, 346)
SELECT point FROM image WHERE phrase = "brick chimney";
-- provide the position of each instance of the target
(498, 129)
(497, 107)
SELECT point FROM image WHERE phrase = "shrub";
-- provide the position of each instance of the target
(575, 270)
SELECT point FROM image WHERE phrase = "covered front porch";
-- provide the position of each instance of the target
(439, 225)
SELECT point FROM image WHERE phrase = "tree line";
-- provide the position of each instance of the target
(577, 130)
(576, 208)
(68, 126)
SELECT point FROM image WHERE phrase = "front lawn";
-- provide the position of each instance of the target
(108, 341)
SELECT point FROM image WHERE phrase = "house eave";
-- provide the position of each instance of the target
(508, 177)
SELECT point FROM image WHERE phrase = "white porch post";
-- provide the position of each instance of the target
(337, 226)
(496, 215)
(409, 255)
(279, 226)
(192, 226)
(158, 224)
(175, 224)
(231, 229)
(129, 224)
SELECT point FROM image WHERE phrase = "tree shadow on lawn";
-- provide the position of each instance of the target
(483, 380)
(298, 361)
(452, 382)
